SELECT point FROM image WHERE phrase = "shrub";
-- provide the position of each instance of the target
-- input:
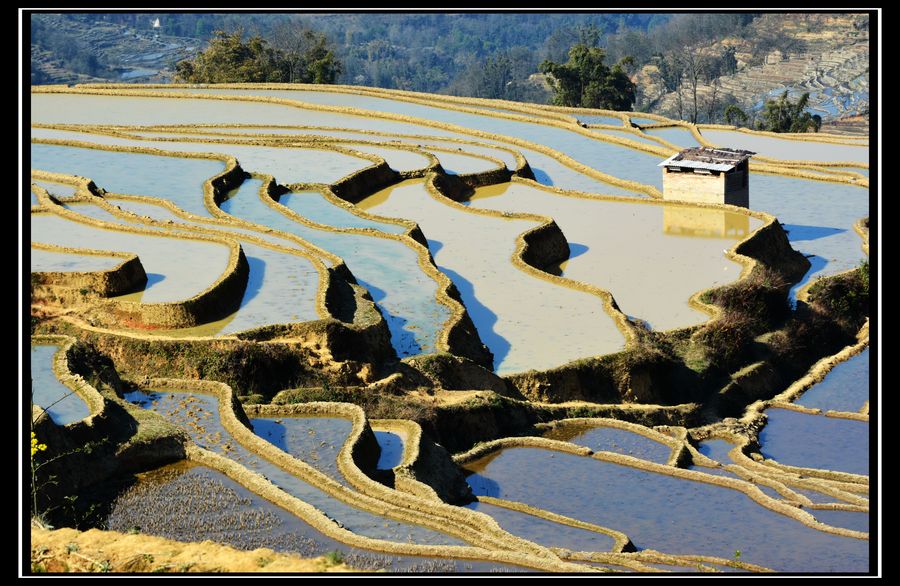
(726, 339)
(845, 297)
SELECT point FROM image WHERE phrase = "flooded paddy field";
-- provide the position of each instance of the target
(546, 532)
(389, 269)
(176, 179)
(845, 388)
(448, 258)
(816, 441)
(392, 446)
(664, 513)
(680, 137)
(787, 149)
(176, 268)
(315, 440)
(47, 260)
(679, 248)
(625, 163)
(188, 502)
(61, 403)
(481, 269)
(313, 206)
(612, 439)
(198, 415)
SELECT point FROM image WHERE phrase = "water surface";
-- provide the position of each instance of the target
(392, 445)
(315, 440)
(787, 149)
(389, 269)
(542, 324)
(176, 268)
(47, 261)
(62, 404)
(665, 513)
(198, 416)
(680, 250)
(844, 388)
(816, 441)
(613, 439)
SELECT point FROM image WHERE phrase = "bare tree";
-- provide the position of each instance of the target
(694, 66)
(679, 101)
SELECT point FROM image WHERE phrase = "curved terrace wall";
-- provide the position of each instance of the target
(366, 341)
(749, 489)
(128, 276)
(108, 442)
(532, 247)
(568, 161)
(473, 527)
(220, 299)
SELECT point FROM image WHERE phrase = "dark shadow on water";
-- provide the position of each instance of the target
(483, 486)
(541, 176)
(153, 279)
(797, 232)
(483, 318)
(255, 277)
(391, 446)
(817, 263)
(403, 340)
(575, 250)
(272, 432)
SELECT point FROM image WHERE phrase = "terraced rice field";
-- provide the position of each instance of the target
(440, 336)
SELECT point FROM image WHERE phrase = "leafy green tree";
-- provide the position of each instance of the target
(783, 115)
(228, 59)
(586, 81)
(735, 116)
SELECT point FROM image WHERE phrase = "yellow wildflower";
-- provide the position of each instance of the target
(36, 446)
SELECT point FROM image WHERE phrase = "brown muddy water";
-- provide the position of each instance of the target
(679, 251)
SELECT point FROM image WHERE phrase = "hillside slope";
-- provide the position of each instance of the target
(826, 55)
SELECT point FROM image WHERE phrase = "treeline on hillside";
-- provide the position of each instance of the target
(683, 71)
(583, 59)
(301, 55)
(442, 53)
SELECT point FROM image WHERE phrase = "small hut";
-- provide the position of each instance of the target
(708, 175)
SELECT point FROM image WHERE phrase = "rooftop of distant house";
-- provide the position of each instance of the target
(712, 159)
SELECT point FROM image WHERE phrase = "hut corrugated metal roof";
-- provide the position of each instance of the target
(713, 159)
